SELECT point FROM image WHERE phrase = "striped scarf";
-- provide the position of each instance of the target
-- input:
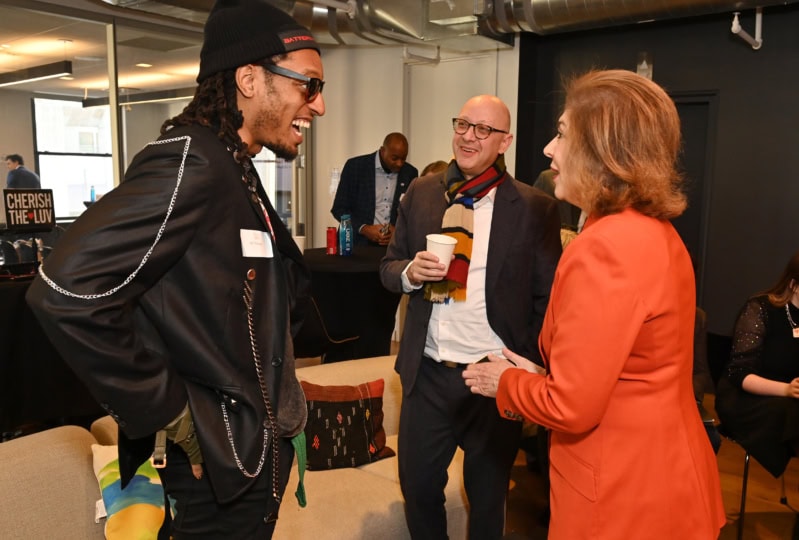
(458, 223)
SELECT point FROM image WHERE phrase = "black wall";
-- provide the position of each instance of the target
(750, 208)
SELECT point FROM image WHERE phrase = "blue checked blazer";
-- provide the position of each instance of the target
(356, 192)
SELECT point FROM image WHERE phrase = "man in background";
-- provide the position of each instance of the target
(494, 295)
(370, 189)
(20, 177)
(173, 297)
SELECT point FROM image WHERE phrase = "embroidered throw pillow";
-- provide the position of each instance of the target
(345, 425)
(135, 512)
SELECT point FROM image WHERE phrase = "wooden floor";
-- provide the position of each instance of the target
(766, 518)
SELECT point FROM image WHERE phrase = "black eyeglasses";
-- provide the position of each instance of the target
(313, 86)
(481, 131)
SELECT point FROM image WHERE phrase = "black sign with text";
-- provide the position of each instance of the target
(29, 210)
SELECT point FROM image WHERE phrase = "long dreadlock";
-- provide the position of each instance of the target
(214, 105)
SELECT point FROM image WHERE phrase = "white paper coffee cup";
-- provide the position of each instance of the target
(442, 246)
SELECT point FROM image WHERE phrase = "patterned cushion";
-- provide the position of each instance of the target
(345, 425)
(135, 512)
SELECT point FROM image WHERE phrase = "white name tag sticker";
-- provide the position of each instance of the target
(256, 244)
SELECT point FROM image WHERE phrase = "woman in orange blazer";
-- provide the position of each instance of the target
(629, 457)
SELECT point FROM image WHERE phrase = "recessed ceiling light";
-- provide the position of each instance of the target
(143, 65)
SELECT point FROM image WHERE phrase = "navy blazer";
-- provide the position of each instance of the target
(356, 192)
(22, 178)
(523, 251)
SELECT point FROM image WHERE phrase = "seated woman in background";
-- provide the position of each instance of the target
(757, 398)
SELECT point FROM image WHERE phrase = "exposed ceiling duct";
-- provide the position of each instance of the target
(552, 16)
(458, 25)
(185, 10)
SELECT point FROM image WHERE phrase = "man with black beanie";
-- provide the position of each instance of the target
(173, 297)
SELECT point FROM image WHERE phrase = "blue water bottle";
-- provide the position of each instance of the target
(92, 197)
(345, 236)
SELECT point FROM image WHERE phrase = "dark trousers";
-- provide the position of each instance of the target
(440, 415)
(197, 514)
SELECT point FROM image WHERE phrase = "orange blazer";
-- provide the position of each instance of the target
(629, 456)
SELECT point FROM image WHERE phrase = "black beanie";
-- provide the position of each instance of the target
(240, 32)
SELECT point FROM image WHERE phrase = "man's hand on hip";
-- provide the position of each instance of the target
(181, 432)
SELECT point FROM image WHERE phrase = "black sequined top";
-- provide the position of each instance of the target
(763, 343)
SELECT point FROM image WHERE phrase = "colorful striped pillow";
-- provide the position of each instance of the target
(133, 513)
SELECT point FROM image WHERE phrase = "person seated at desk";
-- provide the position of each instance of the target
(370, 189)
(20, 177)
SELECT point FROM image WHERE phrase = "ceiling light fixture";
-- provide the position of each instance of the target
(36, 73)
(144, 97)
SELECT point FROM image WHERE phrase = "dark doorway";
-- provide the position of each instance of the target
(697, 116)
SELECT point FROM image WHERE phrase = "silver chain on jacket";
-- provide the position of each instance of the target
(270, 425)
(149, 252)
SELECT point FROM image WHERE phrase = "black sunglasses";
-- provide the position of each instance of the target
(313, 86)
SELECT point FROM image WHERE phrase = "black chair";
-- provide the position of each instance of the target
(720, 348)
(313, 338)
(8, 254)
(745, 482)
(702, 377)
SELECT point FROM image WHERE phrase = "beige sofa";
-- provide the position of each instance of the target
(48, 488)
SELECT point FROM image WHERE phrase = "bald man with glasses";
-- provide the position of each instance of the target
(493, 295)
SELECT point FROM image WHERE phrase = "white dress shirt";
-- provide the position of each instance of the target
(459, 331)
(385, 184)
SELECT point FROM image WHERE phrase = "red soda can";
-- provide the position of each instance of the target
(332, 241)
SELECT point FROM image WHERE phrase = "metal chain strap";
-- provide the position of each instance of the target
(239, 464)
(270, 425)
(149, 252)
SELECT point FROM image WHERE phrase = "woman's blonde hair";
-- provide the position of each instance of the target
(434, 167)
(624, 138)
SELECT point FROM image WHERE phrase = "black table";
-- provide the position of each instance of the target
(36, 386)
(352, 301)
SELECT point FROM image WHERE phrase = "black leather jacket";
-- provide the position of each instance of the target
(180, 329)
